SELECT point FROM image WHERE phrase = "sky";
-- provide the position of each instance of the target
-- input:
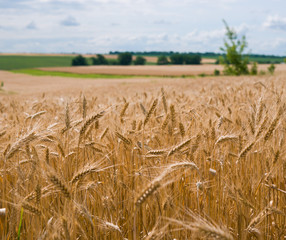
(100, 26)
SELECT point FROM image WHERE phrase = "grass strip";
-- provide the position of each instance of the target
(37, 72)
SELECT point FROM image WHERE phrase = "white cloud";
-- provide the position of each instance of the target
(275, 22)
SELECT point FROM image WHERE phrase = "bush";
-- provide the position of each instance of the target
(192, 59)
(162, 60)
(140, 60)
(177, 59)
(234, 62)
(125, 58)
(99, 60)
(95, 61)
(253, 70)
(102, 60)
(271, 68)
(79, 61)
(113, 62)
(216, 72)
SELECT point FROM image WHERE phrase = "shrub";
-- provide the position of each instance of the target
(192, 59)
(113, 62)
(125, 58)
(177, 59)
(79, 61)
(216, 72)
(234, 61)
(253, 70)
(140, 60)
(271, 68)
(95, 61)
(102, 60)
(99, 60)
(162, 60)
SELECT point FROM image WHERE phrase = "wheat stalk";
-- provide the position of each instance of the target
(151, 110)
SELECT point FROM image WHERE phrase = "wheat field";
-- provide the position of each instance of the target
(202, 161)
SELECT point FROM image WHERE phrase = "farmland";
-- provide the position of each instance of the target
(143, 158)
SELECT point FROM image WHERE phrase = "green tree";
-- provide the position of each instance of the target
(177, 59)
(192, 59)
(99, 60)
(253, 70)
(234, 61)
(140, 60)
(271, 68)
(125, 58)
(102, 60)
(79, 61)
(162, 60)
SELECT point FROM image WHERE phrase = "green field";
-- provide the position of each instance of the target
(21, 62)
(37, 72)
(258, 59)
(27, 62)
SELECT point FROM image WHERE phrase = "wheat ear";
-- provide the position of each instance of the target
(151, 110)
(179, 147)
(88, 122)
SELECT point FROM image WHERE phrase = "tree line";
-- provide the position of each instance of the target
(126, 58)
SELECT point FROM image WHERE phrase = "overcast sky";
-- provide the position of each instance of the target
(100, 26)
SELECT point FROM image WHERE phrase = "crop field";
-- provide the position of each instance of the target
(146, 158)
(174, 70)
(10, 62)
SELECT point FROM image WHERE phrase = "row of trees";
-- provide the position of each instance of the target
(179, 59)
(122, 59)
(126, 59)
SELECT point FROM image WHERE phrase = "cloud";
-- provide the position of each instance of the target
(162, 22)
(31, 26)
(69, 22)
(275, 22)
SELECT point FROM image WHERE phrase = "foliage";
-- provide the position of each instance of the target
(235, 63)
(216, 72)
(99, 60)
(192, 59)
(271, 68)
(113, 62)
(253, 70)
(177, 59)
(79, 61)
(140, 60)
(162, 60)
(125, 58)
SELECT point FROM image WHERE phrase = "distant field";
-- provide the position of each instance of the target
(166, 70)
(20, 62)
(26, 61)
(261, 60)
